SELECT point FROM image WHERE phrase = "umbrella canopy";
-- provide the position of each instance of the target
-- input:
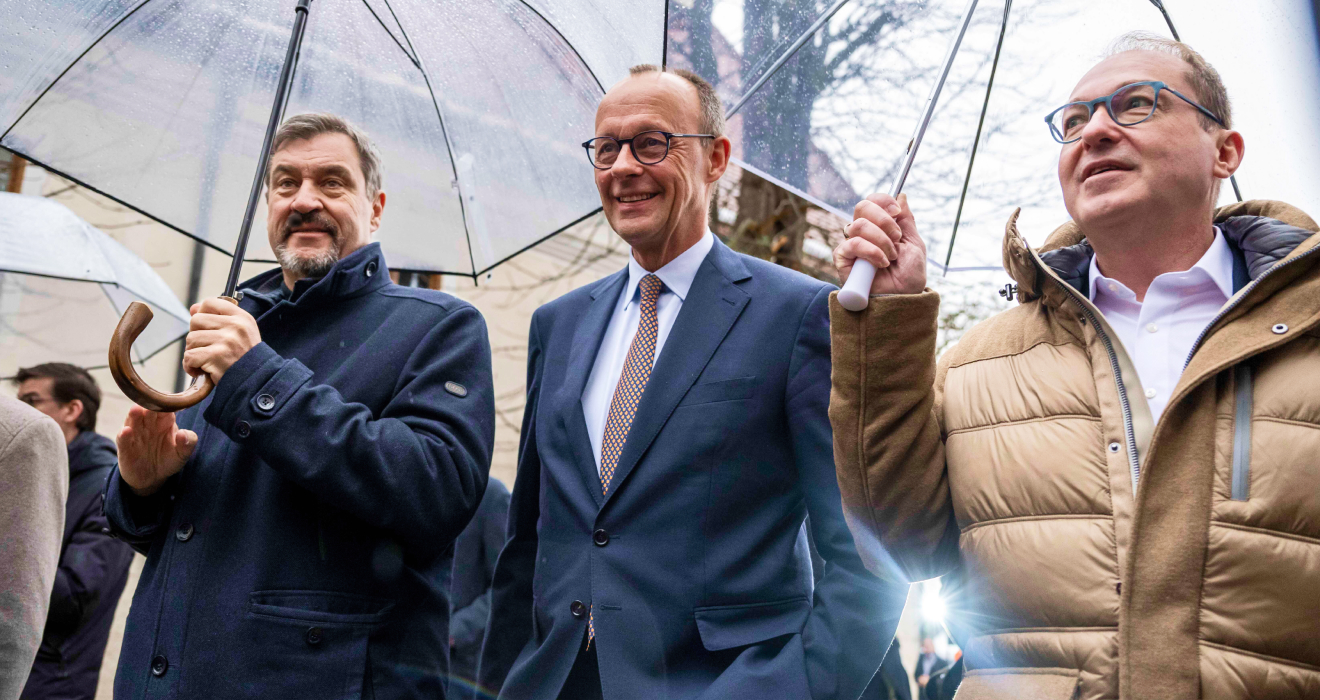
(832, 120)
(477, 107)
(64, 284)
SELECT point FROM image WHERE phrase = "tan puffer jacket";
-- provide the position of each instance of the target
(1012, 466)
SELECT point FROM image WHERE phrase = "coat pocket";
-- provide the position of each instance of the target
(728, 626)
(724, 390)
(1019, 684)
(314, 641)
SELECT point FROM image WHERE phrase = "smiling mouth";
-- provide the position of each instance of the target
(630, 198)
(1101, 170)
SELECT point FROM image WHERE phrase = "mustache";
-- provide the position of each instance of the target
(318, 219)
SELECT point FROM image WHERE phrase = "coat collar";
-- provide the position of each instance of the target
(357, 273)
(1264, 231)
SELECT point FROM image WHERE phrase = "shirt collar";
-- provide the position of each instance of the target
(678, 274)
(1216, 263)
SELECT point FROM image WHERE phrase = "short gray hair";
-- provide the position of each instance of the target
(712, 108)
(1205, 81)
(305, 126)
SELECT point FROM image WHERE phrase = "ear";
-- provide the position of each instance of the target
(377, 208)
(720, 151)
(74, 409)
(1229, 155)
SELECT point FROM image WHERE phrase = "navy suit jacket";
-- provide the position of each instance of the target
(696, 563)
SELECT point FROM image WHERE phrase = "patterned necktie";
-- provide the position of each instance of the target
(636, 370)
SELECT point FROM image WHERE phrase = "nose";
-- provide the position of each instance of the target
(626, 164)
(1101, 128)
(306, 199)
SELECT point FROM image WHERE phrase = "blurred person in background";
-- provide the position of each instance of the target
(34, 484)
(93, 564)
(928, 662)
(1119, 474)
(475, 552)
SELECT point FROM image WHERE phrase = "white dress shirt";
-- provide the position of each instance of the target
(677, 277)
(1159, 331)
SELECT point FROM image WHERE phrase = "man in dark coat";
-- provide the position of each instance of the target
(475, 552)
(93, 565)
(299, 523)
(674, 440)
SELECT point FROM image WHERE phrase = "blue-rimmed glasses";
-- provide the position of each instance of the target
(648, 147)
(1127, 106)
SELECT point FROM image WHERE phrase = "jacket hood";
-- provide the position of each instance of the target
(1265, 231)
(91, 450)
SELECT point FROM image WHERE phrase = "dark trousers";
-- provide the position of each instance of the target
(584, 680)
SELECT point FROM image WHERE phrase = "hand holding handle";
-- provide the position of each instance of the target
(135, 320)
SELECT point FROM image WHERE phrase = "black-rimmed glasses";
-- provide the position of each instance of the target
(1127, 106)
(648, 147)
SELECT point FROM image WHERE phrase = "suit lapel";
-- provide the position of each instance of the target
(712, 305)
(586, 343)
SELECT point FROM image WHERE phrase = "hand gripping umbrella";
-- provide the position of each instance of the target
(138, 315)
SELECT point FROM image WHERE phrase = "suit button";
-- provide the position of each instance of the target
(243, 429)
(159, 666)
(184, 533)
(265, 402)
(314, 635)
(600, 537)
(578, 608)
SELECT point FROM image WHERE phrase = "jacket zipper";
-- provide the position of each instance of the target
(1129, 432)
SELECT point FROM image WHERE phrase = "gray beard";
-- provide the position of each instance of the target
(316, 264)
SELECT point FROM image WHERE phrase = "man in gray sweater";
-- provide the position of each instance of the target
(34, 469)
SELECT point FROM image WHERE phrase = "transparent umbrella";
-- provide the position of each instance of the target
(64, 285)
(478, 108)
(825, 95)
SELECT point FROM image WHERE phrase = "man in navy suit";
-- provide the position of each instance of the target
(674, 441)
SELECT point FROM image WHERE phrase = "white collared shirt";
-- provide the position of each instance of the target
(1159, 331)
(677, 277)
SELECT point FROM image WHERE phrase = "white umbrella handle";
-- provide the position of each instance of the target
(856, 291)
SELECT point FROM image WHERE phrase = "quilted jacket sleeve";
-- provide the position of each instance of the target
(888, 443)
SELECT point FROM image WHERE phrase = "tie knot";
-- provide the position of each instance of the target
(651, 286)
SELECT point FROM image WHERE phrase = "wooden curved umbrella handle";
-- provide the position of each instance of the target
(134, 321)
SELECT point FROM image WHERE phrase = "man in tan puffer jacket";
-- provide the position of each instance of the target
(1103, 540)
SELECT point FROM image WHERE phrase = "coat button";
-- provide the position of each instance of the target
(265, 402)
(314, 635)
(184, 533)
(371, 268)
(1114, 447)
(578, 608)
(600, 537)
(243, 429)
(159, 666)
(1279, 328)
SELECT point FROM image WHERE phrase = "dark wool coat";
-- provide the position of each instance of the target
(93, 571)
(305, 549)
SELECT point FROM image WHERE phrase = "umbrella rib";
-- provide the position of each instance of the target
(69, 67)
(132, 207)
(531, 245)
(664, 42)
(573, 48)
(789, 53)
(444, 133)
(382, 24)
(985, 107)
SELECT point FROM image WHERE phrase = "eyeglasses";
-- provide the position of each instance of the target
(648, 147)
(1129, 105)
